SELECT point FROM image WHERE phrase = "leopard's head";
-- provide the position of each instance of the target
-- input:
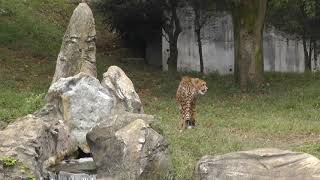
(200, 85)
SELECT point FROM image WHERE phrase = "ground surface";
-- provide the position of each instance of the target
(285, 114)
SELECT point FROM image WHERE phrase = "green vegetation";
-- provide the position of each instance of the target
(8, 161)
(23, 82)
(30, 38)
(31, 178)
(283, 114)
(35, 26)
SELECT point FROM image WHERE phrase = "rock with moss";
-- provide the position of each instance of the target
(259, 164)
(117, 82)
(128, 148)
(78, 49)
(32, 143)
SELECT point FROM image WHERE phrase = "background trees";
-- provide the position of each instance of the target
(300, 18)
(172, 27)
(203, 11)
(141, 20)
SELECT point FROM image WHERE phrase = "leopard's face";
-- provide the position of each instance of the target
(201, 86)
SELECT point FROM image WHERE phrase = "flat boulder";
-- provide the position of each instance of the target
(83, 103)
(117, 82)
(128, 148)
(259, 164)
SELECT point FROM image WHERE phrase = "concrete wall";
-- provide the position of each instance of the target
(281, 53)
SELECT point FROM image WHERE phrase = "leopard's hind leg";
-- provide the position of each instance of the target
(193, 113)
(185, 114)
(182, 119)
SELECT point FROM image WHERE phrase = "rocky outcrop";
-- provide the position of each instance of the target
(126, 147)
(41, 145)
(117, 82)
(259, 164)
(34, 142)
(83, 103)
(78, 49)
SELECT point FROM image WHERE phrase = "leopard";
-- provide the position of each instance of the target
(188, 91)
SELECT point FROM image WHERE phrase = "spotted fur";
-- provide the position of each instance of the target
(188, 91)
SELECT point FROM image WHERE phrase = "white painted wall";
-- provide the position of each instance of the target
(281, 53)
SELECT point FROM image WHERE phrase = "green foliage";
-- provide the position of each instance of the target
(8, 161)
(309, 7)
(296, 17)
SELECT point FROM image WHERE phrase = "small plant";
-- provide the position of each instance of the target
(8, 161)
(31, 178)
(34, 102)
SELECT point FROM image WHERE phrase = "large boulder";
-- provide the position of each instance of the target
(78, 49)
(259, 164)
(33, 143)
(126, 147)
(117, 82)
(83, 103)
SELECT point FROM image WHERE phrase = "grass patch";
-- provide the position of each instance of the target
(36, 26)
(24, 80)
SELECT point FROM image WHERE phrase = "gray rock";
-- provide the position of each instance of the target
(83, 102)
(81, 165)
(35, 141)
(132, 151)
(265, 164)
(78, 49)
(117, 82)
(73, 176)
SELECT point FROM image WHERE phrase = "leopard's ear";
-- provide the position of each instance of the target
(194, 81)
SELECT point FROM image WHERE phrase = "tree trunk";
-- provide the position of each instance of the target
(307, 54)
(315, 55)
(200, 51)
(173, 32)
(198, 27)
(173, 56)
(248, 21)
